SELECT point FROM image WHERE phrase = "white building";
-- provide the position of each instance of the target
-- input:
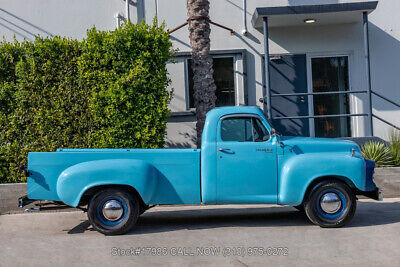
(318, 51)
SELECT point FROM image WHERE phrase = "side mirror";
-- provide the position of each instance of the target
(273, 132)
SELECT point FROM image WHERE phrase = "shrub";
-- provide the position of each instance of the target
(377, 152)
(394, 145)
(126, 73)
(106, 91)
(45, 102)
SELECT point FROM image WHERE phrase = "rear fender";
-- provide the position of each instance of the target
(77, 179)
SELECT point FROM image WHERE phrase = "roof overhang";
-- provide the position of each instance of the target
(324, 14)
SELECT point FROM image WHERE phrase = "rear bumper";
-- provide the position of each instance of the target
(24, 200)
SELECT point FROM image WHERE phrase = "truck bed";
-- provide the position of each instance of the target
(179, 171)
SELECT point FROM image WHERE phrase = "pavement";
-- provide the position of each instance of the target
(251, 235)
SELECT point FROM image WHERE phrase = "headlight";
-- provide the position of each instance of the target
(355, 152)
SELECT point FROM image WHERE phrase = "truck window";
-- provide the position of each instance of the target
(260, 133)
(243, 129)
(236, 129)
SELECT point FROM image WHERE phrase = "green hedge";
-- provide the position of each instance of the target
(106, 91)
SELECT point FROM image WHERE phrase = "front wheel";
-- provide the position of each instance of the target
(330, 204)
(113, 211)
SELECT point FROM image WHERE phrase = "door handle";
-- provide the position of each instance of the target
(224, 149)
(266, 150)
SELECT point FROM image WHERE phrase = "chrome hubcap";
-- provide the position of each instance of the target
(113, 210)
(330, 203)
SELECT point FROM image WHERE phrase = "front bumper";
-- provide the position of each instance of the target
(371, 190)
(369, 175)
(374, 194)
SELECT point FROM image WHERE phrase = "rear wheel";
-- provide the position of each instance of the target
(113, 211)
(330, 204)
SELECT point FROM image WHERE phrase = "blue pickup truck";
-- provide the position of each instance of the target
(241, 161)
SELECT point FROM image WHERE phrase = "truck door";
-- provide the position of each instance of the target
(246, 161)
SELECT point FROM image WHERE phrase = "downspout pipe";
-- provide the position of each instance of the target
(368, 70)
(156, 8)
(127, 13)
(244, 31)
(266, 69)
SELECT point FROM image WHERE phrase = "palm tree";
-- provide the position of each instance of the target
(202, 63)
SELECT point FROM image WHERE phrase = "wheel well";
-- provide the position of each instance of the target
(316, 181)
(88, 194)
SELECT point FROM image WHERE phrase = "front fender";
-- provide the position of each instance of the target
(75, 180)
(299, 171)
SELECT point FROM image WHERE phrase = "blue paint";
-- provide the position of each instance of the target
(161, 176)
(278, 170)
(209, 158)
(100, 215)
(256, 181)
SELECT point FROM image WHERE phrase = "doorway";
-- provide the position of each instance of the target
(329, 74)
(292, 77)
(288, 75)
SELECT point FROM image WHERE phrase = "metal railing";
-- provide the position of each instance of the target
(320, 93)
(338, 115)
(391, 102)
(266, 99)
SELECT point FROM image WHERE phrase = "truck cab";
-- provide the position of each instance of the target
(238, 152)
(241, 161)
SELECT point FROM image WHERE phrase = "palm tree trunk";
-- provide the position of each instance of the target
(202, 63)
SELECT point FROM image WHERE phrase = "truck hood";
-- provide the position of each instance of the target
(301, 145)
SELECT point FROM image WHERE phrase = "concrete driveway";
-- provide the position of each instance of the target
(217, 235)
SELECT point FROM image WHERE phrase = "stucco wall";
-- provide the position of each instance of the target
(385, 62)
(312, 40)
(25, 18)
